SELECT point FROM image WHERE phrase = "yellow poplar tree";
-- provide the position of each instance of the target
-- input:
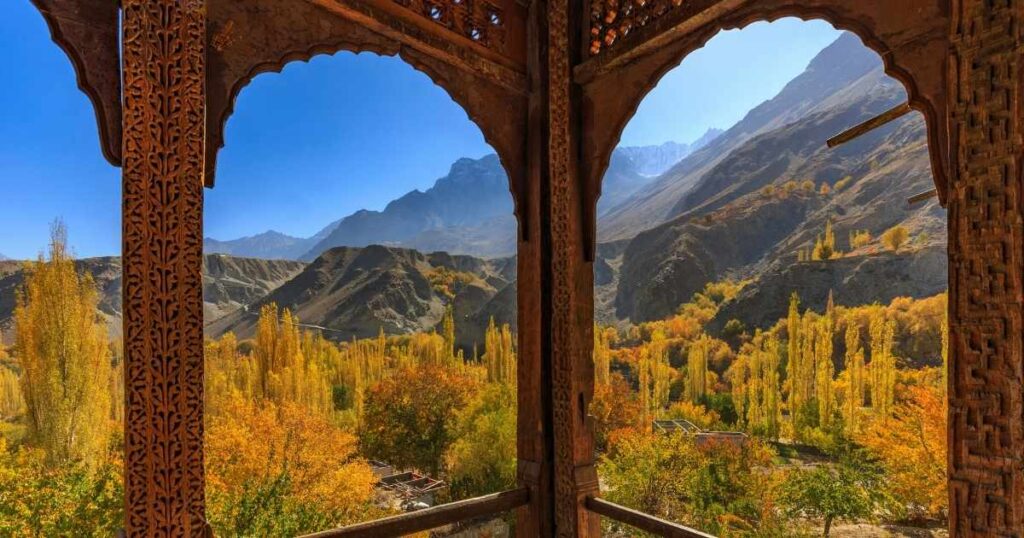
(697, 368)
(499, 354)
(64, 352)
(825, 369)
(855, 373)
(883, 363)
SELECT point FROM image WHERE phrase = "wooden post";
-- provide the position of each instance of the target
(163, 149)
(986, 267)
(568, 302)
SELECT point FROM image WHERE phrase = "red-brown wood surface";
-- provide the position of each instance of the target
(164, 108)
(986, 265)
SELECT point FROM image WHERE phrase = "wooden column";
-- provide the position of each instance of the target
(534, 434)
(569, 279)
(163, 148)
(986, 242)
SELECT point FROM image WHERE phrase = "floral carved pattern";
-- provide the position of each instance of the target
(611, 20)
(478, 20)
(986, 411)
(164, 113)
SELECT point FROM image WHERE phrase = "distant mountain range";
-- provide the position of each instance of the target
(656, 160)
(469, 211)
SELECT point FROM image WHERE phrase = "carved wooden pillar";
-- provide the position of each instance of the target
(986, 411)
(163, 148)
(568, 299)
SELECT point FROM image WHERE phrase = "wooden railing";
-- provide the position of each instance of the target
(641, 520)
(430, 518)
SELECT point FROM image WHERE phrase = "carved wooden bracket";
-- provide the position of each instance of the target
(87, 31)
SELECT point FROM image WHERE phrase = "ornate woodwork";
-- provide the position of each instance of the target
(568, 301)
(164, 134)
(87, 31)
(551, 83)
(986, 265)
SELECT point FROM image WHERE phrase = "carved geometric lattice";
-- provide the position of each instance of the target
(611, 20)
(478, 20)
(986, 249)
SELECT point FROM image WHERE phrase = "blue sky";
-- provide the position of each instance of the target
(323, 139)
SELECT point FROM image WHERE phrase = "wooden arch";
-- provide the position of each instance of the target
(268, 34)
(620, 72)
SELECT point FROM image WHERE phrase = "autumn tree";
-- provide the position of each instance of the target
(602, 355)
(883, 363)
(615, 407)
(410, 418)
(825, 245)
(482, 459)
(895, 237)
(499, 354)
(912, 450)
(279, 470)
(754, 376)
(823, 349)
(848, 490)
(11, 402)
(697, 368)
(62, 347)
(448, 330)
(859, 239)
(283, 373)
(854, 362)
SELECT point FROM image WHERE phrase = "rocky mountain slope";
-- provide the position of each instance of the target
(474, 192)
(228, 283)
(746, 213)
(354, 292)
(834, 69)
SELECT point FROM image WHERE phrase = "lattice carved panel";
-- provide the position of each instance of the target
(612, 20)
(478, 20)
(986, 249)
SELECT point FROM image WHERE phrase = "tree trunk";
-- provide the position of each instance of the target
(828, 526)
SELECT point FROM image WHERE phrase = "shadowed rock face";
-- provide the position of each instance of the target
(355, 292)
(854, 280)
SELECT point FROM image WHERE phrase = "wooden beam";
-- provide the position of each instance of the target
(922, 196)
(642, 521)
(433, 517)
(859, 130)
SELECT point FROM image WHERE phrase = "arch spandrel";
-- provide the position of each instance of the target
(265, 35)
(912, 38)
(87, 31)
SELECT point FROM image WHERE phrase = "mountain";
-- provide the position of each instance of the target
(355, 292)
(269, 245)
(228, 284)
(3, 258)
(656, 160)
(839, 65)
(743, 213)
(473, 198)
